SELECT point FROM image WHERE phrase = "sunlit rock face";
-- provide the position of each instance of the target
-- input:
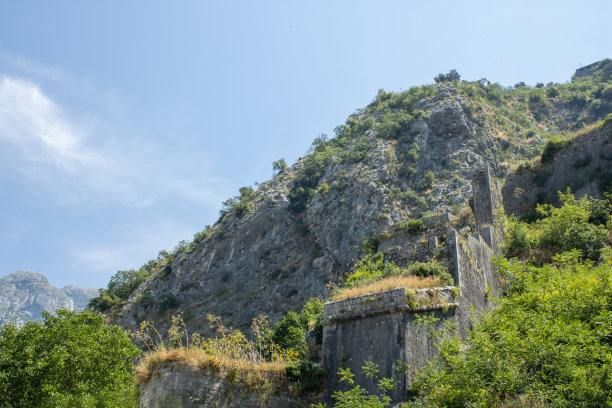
(24, 295)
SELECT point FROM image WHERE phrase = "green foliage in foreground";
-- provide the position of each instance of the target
(548, 344)
(579, 224)
(358, 397)
(71, 360)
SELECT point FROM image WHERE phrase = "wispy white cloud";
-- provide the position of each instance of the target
(59, 156)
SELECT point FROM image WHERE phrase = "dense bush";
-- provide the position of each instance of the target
(411, 226)
(168, 302)
(393, 124)
(69, 360)
(552, 146)
(239, 205)
(546, 345)
(307, 373)
(279, 166)
(290, 331)
(452, 75)
(561, 229)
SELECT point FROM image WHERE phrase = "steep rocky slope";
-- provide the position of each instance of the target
(404, 156)
(24, 295)
(583, 164)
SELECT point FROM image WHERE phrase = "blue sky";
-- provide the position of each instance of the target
(124, 125)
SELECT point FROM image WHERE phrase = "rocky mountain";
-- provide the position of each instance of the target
(406, 155)
(24, 295)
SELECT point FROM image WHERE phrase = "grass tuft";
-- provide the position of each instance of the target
(410, 282)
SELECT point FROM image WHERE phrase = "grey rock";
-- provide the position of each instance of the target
(24, 295)
(271, 260)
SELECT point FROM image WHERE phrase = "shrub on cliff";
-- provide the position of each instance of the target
(561, 229)
(69, 360)
(552, 146)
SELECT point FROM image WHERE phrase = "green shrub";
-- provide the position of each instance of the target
(520, 239)
(427, 269)
(411, 226)
(426, 182)
(279, 166)
(568, 227)
(290, 331)
(608, 118)
(393, 124)
(238, 205)
(168, 302)
(358, 397)
(546, 345)
(561, 229)
(452, 75)
(308, 374)
(373, 267)
(552, 146)
(120, 288)
(524, 166)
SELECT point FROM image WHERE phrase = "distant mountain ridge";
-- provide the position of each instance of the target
(24, 295)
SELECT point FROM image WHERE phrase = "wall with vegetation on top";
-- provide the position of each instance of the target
(176, 385)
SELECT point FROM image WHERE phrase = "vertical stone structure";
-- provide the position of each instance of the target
(383, 327)
(487, 199)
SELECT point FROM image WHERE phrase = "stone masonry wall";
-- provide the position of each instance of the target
(382, 328)
(175, 385)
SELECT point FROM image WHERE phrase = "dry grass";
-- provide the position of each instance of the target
(410, 282)
(246, 371)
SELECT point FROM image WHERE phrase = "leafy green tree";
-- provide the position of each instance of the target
(452, 75)
(70, 360)
(279, 166)
(546, 345)
(240, 204)
(562, 229)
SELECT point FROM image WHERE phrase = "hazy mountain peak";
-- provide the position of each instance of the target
(24, 295)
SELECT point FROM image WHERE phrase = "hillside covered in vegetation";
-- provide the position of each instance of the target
(406, 156)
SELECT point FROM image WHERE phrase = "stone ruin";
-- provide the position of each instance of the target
(383, 327)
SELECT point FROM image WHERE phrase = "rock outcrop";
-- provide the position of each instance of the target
(272, 260)
(274, 256)
(24, 295)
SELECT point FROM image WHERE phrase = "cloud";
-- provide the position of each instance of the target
(35, 126)
(73, 162)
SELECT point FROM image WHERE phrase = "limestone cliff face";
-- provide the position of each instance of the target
(272, 260)
(24, 295)
(273, 257)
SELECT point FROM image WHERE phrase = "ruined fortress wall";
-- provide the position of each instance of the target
(381, 327)
(479, 282)
(175, 385)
